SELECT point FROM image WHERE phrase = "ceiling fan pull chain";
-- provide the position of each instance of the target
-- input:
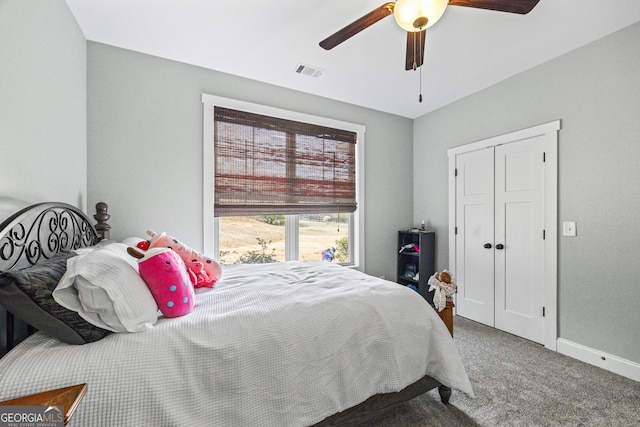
(415, 61)
(421, 50)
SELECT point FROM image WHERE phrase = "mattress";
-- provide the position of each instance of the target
(284, 344)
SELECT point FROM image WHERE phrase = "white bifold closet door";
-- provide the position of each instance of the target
(500, 216)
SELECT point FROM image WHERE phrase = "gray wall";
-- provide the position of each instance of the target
(145, 147)
(145, 136)
(43, 113)
(43, 148)
(595, 91)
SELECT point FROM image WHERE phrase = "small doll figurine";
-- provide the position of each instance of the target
(444, 286)
(444, 277)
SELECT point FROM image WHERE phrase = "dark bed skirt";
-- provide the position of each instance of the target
(379, 404)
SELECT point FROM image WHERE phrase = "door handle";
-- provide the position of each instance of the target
(500, 246)
(487, 245)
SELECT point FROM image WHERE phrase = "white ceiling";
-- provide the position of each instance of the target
(466, 51)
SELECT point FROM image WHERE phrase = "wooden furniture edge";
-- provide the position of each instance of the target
(67, 397)
(447, 315)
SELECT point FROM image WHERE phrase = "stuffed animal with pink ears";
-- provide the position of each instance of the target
(166, 276)
(211, 271)
(200, 278)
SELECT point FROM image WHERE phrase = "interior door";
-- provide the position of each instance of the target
(503, 195)
(519, 244)
(475, 235)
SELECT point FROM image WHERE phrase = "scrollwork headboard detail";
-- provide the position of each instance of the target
(38, 232)
(41, 231)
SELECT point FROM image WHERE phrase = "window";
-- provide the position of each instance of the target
(281, 185)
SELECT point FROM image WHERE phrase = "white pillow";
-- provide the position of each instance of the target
(100, 244)
(103, 286)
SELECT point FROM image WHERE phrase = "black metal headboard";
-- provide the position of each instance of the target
(39, 232)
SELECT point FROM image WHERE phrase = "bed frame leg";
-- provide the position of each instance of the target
(445, 394)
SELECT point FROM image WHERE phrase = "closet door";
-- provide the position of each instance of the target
(519, 238)
(503, 231)
(474, 238)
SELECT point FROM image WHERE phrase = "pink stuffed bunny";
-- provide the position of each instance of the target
(166, 276)
(211, 271)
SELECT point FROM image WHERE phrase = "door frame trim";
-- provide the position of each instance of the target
(550, 133)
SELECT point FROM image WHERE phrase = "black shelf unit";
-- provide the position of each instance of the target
(422, 262)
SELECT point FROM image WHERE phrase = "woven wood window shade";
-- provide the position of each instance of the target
(268, 165)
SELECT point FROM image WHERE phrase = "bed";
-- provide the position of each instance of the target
(284, 344)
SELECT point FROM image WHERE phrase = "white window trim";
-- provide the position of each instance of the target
(211, 245)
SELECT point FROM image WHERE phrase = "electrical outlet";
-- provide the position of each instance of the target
(569, 228)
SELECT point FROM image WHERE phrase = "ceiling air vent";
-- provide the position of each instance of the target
(308, 70)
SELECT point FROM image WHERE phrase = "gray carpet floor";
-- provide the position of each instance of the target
(520, 383)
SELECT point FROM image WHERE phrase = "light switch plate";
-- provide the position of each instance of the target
(569, 228)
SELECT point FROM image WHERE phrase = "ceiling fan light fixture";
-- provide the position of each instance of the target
(418, 15)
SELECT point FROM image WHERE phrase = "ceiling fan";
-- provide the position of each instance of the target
(415, 16)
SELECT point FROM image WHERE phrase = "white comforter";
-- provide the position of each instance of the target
(271, 345)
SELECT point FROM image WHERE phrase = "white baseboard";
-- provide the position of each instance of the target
(612, 363)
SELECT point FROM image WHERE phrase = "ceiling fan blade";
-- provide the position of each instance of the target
(357, 26)
(415, 49)
(512, 6)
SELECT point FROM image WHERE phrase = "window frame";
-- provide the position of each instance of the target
(210, 223)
